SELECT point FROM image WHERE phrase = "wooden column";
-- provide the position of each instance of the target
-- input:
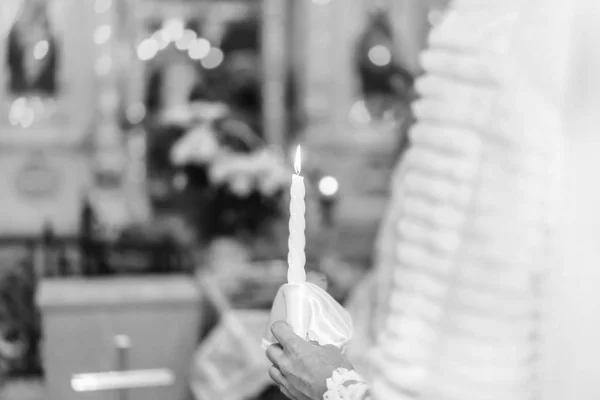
(274, 45)
(347, 22)
(108, 134)
(109, 157)
(135, 32)
(320, 66)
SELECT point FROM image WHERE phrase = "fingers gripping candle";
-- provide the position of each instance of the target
(297, 239)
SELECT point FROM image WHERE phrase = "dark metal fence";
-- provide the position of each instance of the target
(83, 257)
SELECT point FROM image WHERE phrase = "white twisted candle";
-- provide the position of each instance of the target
(297, 240)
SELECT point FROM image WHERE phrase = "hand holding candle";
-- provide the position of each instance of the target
(311, 312)
(297, 239)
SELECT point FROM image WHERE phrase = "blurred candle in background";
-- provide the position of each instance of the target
(328, 188)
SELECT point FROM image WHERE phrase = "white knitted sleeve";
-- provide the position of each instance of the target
(471, 234)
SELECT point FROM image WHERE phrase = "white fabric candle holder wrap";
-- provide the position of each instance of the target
(313, 315)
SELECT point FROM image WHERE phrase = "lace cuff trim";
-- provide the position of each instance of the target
(346, 385)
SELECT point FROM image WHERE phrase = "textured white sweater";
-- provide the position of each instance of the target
(464, 246)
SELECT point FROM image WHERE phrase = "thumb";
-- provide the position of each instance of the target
(286, 337)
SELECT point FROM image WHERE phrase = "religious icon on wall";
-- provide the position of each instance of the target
(385, 84)
(30, 64)
(32, 52)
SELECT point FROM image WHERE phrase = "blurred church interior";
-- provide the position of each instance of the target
(147, 152)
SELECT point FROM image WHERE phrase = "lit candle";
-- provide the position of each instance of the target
(297, 240)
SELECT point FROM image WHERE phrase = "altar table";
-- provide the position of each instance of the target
(137, 334)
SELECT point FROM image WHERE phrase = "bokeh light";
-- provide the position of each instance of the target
(213, 59)
(17, 110)
(22, 113)
(186, 40)
(40, 50)
(328, 186)
(174, 29)
(199, 49)
(136, 113)
(102, 34)
(162, 39)
(147, 49)
(380, 55)
(359, 113)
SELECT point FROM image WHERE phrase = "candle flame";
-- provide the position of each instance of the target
(298, 160)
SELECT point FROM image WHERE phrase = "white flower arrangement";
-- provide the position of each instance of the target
(236, 184)
(262, 170)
